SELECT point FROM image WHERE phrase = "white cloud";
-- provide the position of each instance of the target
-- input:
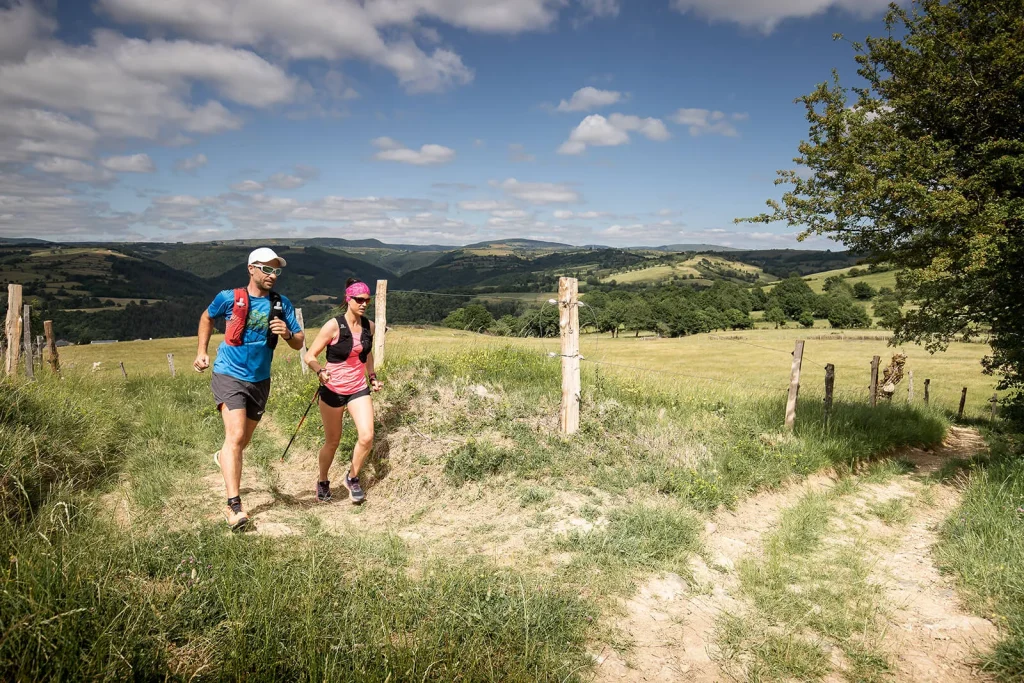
(248, 186)
(427, 155)
(517, 154)
(484, 205)
(28, 132)
(191, 163)
(538, 193)
(600, 8)
(765, 16)
(22, 27)
(507, 214)
(707, 122)
(321, 29)
(598, 131)
(581, 215)
(290, 181)
(74, 170)
(138, 88)
(133, 163)
(588, 99)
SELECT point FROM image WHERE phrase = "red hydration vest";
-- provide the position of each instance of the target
(235, 330)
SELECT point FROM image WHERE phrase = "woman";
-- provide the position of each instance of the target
(348, 339)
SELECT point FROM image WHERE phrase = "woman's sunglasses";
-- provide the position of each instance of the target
(361, 299)
(269, 270)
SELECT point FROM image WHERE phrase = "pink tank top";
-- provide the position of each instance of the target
(347, 377)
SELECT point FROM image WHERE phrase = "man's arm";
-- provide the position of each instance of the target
(202, 360)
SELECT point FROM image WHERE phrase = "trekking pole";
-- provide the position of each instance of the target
(311, 402)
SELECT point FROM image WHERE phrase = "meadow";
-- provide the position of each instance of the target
(491, 548)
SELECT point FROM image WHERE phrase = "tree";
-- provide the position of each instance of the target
(807, 319)
(924, 170)
(776, 315)
(864, 291)
(793, 296)
(474, 317)
(887, 310)
(844, 314)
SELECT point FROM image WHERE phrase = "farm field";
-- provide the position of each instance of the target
(758, 359)
(696, 269)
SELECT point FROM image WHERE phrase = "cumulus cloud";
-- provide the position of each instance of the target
(26, 133)
(133, 163)
(598, 131)
(22, 27)
(600, 8)
(191, 164)
(538, 193)
(74, 170)
(589, 99)
(137, 88)
(247, 186)
(581, 215)
(289, 181)
(707, 122)
(765, 16)
(318, 29)
(427, 155)
(484, 205)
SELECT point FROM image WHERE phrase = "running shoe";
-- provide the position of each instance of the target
(323, 491)
(355, 491)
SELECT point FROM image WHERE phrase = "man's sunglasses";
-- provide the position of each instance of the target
(269, 270)
(361, 299)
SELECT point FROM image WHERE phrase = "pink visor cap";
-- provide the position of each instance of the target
(356, 289)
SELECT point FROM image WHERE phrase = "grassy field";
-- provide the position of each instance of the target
(876, 280)
(491, 547)
(694, 269)
(757, 359)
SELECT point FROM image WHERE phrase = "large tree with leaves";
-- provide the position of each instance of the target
(923, 168)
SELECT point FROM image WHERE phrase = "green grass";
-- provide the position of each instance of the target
(982, 545)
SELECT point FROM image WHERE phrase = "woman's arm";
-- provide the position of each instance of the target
(323, 338)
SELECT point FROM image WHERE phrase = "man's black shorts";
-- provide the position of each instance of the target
(238, 394)
(338, 400)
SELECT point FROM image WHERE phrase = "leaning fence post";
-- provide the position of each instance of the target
(170, 362)
(51, 346)
(963, 400)
(874, 380)
(994, 401)
(380, 323)
(302, 351)
(830, 383)
(927, 382)
(910, 389)
(26, 329)
(124, 373)
(569, 328)
(794, 384)
(13, 329)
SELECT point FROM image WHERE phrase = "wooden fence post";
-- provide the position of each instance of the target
(51, 346)
(569, 328)
(830, 384)
(910, 389)
(124, 373)
(963, 401)
(13, 329)
(39, 351)
(170, 362)
(302, 351)
(794, 384)
(927, 383)
(874, 380)
(994, 401)
(26, 328)
(380, 307)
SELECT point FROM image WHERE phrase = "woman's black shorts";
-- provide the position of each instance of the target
(338, 400)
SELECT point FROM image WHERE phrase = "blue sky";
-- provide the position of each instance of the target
(412, 121)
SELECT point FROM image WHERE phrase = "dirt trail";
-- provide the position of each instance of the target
(671, 622)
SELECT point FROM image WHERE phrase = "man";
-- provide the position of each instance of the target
(256, 317)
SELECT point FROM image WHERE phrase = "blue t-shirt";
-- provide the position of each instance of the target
(250, 361)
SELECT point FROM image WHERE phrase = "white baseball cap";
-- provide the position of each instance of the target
(265, 255)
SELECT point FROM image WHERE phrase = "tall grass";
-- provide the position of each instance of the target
(84, 597)
(982, 545)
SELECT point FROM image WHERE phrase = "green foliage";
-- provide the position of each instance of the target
(889, 312)
(807, 319)
(983, 547)
(793, 296)
(474, 317)
(473, 461)
(924, 170)
(864, 291)
(843, 312)
(776, 315)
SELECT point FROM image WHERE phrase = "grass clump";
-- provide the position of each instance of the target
(893, 511)
(475, 460)
(982, 545)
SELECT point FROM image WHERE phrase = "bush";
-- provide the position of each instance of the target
(864, 291)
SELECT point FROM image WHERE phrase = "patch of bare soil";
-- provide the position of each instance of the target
(669, 625)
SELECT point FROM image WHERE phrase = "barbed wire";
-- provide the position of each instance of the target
(661, 371)
(473, 296)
